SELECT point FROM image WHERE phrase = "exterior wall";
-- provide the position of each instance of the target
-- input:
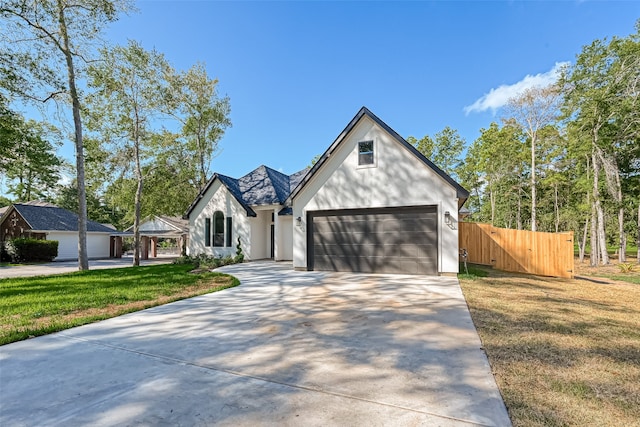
(14, 226)
(397, 178)
(97, 244)
(217, 198)
(284, 238)
(261, 235)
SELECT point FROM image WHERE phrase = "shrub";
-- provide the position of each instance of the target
(207, 261)
(27, 250)
(626, 267)
(4, 255)
(239, 255)
(183, 260)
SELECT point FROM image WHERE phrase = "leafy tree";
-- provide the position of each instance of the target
(601, 109)
(129, 83)
(97, 208)
(315, 160)
(533, 110)
(28, 160)
(445, 149)
(494, 172)
(34, 167)
(193, 99)
(40, 50)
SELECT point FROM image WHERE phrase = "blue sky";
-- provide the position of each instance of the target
(297, 72)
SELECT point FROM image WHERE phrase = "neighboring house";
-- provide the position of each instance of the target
(157, 227)
(41, 220)
(372, 203)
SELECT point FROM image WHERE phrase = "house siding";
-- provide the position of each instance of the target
(97, 245)
(397, 179)
(219, 198)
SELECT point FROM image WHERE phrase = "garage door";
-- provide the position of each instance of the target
(392, 240)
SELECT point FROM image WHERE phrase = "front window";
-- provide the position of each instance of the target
(207, 231)
(229, 235)
(218, 228)
(365, 153)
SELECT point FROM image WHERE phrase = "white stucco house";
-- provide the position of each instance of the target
(372, 203)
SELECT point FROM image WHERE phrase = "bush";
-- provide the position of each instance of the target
(626, 267)
(27, 250)
(4, 255)
(239, 255)
(207, 261)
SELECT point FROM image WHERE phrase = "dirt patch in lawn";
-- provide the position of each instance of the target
(564, 352)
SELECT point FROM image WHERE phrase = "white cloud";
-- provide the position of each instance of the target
(498, 97)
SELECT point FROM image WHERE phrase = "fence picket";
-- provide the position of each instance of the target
(520, 251)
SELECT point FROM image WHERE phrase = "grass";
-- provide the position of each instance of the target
(33, 306)
(563, 352)
(631, 249)
(613, 271)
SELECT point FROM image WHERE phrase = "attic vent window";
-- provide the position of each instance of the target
(365, 153)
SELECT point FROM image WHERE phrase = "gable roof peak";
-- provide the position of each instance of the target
(462, 193)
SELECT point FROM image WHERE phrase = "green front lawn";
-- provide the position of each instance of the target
(33, 306)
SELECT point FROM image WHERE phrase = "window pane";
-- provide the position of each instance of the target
(218, 228)
(365, 153)
(229, 231)
(366, 147)
(207, 231)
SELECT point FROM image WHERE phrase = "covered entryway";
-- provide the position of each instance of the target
(384, 240)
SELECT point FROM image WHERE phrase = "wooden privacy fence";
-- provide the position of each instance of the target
(519, 251)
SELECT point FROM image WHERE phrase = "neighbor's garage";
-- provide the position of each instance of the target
(386, 240)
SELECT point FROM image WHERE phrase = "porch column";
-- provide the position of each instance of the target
(118, 247)
(154, 247)
(144, 247)
(276, 233)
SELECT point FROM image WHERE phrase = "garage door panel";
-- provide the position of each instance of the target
(404, 237)
(345, 263)
(408, 250)
(396, 240)
(356, 250)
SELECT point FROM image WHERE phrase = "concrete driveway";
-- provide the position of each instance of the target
(284, 348)
(60, 267)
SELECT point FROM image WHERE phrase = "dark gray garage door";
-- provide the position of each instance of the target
(390, 240)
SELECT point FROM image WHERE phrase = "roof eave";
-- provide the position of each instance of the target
(461, 192)
(200, 196)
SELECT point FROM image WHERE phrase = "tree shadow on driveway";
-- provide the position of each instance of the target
(284, 347)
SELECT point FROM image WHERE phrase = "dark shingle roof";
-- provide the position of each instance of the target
(55, 219)
(262, 186)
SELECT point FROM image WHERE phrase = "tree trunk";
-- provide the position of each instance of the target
(534, 226)
(556, 207)
(622, 255)
(601, 236)
(83, 258)
(519, 214)
(492, 201)
(594, 258)
(583, 244)
(138, 199)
